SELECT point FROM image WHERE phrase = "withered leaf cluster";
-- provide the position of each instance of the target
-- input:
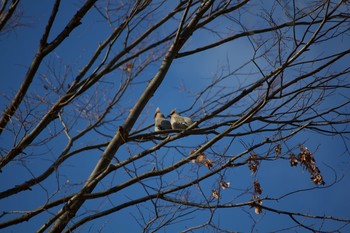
(253, 163)
(307, 161)
(201, 159)
(256, 204)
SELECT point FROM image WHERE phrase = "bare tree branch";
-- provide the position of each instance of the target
(262, 93)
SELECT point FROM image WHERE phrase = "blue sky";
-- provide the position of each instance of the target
(277, 178)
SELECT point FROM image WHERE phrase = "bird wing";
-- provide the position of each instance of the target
(188, 121)
(165, 124)
(162, 124)
(178, 122)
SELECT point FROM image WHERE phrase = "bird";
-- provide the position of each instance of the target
(179, 122)
(160, 123)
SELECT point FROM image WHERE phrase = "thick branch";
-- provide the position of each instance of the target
(4, 17)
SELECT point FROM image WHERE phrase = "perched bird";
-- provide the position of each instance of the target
(179, 122)
(160, 123)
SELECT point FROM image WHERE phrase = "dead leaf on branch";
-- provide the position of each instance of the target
(258, 209)
(208, 163)
(215, 194)
(256, 204)
(307, 161)
(256, 198)
(253, 163)
(293, 160)
(224, 185)
(278, 149)
(201, 159)
(257, 187)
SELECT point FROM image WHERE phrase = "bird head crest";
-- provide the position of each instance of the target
(173, 111)
(157, 111)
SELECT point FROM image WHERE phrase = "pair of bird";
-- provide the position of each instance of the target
(176, 121)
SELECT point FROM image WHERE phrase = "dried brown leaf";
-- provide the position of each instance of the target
(208, 163)
(256, 204)
(278, 149)
(201, 156)
(258, 209)
(253, 163)
(215, 194)
(307, 161)
(257, 187)
(293, 160)
(224, 185)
